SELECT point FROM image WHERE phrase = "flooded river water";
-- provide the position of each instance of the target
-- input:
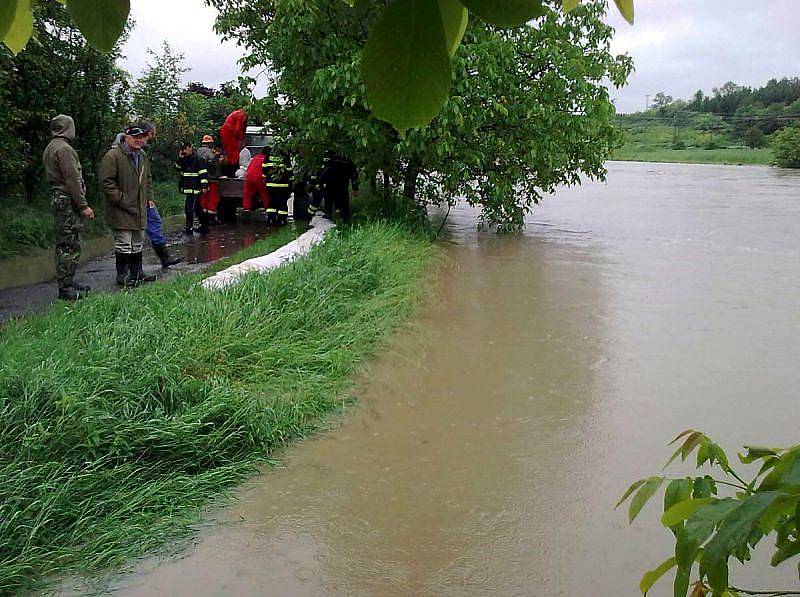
(548, 371)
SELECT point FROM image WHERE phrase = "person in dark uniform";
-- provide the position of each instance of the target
(338, 173)
(193, 183)
(277, 173)
(303, 208)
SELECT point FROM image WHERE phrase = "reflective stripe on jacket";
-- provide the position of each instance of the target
(277, 175)
(193, 174)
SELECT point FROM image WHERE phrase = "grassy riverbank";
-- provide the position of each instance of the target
(26, 227)
(697, 155)
(122, 415)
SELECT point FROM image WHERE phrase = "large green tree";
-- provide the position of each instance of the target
(59, 72)
(528, 107)
(180, 112)
(407, 59)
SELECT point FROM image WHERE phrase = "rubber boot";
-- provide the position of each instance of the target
(163, 254)
(68, 293)
(123, 268)
(137, 275)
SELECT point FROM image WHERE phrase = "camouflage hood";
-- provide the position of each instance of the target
(63, 126)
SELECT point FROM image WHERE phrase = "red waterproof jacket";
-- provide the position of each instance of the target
(236, 122)
(232, 134)
(254, 169)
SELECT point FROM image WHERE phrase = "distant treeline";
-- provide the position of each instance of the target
(732, 98)
(735, 107)
(733, 116)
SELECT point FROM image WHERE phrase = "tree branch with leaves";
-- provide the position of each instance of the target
(407, 58)
(714, 519)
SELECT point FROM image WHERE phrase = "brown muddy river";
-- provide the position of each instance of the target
(548, 371)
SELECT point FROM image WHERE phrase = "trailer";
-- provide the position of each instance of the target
(231, 189)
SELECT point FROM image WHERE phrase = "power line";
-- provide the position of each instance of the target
(689, 115)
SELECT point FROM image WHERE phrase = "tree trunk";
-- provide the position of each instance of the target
(410, 179)
(387, 186)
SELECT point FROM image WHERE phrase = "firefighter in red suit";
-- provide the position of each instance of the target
(254, 182)
(232, 135)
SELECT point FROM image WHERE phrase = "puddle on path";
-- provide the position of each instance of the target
(197, 251)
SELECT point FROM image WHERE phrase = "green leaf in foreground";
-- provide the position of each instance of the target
(100, 21)
(454, 19)
(21, 27)
(737, 526)
(701, 524)
(506, 13)
(682, 510)
(569, 5)
(626, 8)
(8, 9)
(405, 64)
(634, 486)
(785, 552)
(755, 453)
(642, 496)
(650, 577)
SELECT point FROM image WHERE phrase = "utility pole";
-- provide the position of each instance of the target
(674, 130)
(646, 103)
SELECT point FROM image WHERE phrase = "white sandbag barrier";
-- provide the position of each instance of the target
(288, 252)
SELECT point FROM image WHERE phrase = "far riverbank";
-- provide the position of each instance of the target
(730, 156)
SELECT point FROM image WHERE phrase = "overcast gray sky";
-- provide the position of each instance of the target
(188, 26)
(678, 46)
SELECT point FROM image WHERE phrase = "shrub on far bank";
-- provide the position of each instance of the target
(754, 138)
(786, 144)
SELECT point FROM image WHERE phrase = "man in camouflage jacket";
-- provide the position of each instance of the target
(63, 171)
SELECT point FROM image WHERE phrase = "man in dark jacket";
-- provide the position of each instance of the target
(63, 171)
(337, 174)
(193, 182)
(128, 187)
(155, 228)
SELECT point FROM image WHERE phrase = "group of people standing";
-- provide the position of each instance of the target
(130, 207)
(126, 180)
(271, 179)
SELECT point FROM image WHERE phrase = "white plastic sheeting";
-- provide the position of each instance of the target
(288, 252)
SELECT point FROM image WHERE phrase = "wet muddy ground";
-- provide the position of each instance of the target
(197, 252)
(548, 371)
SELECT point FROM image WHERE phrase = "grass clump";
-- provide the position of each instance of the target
(121, 415)
(26, 227)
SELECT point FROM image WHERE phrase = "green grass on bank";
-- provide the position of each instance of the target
(123, 414)
(26, 227)
(698, 155)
